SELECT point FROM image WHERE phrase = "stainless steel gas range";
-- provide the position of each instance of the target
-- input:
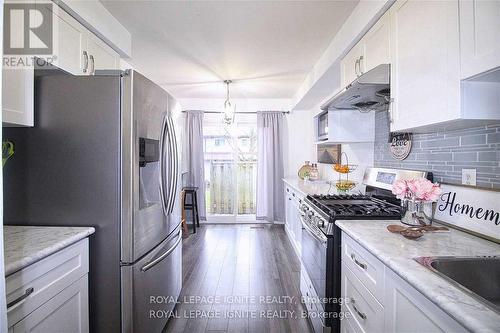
(321, 240)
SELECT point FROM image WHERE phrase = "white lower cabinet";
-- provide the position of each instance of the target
(51, 295)
(407, 310)
(293, 223)
(365, 312)
(65, 312)
(384, 302)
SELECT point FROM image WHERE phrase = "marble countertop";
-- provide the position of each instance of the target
(308, 187)
(397, 253)
(25, 245)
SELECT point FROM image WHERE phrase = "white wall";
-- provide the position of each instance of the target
(360, 154)
(298, 141)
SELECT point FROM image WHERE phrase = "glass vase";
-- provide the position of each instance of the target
(417, 212)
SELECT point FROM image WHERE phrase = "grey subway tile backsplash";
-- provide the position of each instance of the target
(465, 156)
(494, 137)
(446, 153)
(473, 139)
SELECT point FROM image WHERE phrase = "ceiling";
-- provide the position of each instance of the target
(266, 47)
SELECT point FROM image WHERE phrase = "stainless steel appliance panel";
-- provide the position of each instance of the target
(313, 255)
(157, 274)
(66, 172)
(148, 223)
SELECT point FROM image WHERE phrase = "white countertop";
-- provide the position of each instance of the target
(397, 253)
(309, 187)
(25, 245)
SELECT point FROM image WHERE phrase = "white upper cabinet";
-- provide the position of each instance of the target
(377, 45)
(425, 67)
(17, 97)
(350, 65)
(372, 50)
(101, 56)
(71, 39)
(76, 50)
(479, 36)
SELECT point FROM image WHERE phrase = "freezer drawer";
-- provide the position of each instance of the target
(158, 275)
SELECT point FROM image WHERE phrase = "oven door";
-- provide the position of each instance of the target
(314, 258)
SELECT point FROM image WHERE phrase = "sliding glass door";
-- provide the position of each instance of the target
(230, 168)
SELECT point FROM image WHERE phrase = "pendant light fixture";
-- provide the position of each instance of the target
(229, 109)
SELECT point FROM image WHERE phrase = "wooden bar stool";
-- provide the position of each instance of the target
(192, 205)
(185, 232)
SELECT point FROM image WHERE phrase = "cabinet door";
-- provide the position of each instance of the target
(290, 218)
(349, 66)
(17, 97)
(377, 45)
(66, 312)
(425, 70)
(70, 43)
(102, 56)
(297, 226)
(479, 36)
(406, 310)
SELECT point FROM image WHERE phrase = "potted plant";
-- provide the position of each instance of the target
(418, 200)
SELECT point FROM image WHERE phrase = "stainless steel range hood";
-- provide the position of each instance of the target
(369, 92)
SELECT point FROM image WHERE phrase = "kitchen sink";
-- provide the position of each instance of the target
(479, 276)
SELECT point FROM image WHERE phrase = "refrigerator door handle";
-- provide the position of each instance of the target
(170, 167)
(175, 166)
(156, 261)
(162, 164)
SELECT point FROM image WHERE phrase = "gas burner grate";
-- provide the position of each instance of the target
(355, 206)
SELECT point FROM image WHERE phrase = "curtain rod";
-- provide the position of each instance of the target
(250, 112)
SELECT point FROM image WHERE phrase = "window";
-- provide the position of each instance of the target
(230, 166)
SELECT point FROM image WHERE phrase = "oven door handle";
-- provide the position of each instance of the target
(319, 238)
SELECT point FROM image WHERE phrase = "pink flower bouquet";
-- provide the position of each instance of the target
(419, 188)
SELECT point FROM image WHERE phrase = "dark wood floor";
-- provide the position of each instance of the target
(236, 265)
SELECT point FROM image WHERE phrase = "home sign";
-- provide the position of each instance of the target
(470, 208)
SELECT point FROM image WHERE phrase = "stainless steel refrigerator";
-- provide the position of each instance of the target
(104, 153)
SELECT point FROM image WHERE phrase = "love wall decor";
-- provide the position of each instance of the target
(470, 208)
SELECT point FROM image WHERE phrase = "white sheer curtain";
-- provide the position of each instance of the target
(194, 157)
(270, 170)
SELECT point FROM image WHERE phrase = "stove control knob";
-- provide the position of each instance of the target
(319, 222)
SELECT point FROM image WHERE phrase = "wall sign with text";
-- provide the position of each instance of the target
(470, 208)
(400, 145)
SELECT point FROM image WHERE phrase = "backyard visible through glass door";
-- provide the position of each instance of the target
(230, 168)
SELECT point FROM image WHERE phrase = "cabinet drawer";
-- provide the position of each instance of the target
(296, 196)
(44, 279)
(364, 312)
(306, 294)
(347, 326)
(368, 269)
(66, 312)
